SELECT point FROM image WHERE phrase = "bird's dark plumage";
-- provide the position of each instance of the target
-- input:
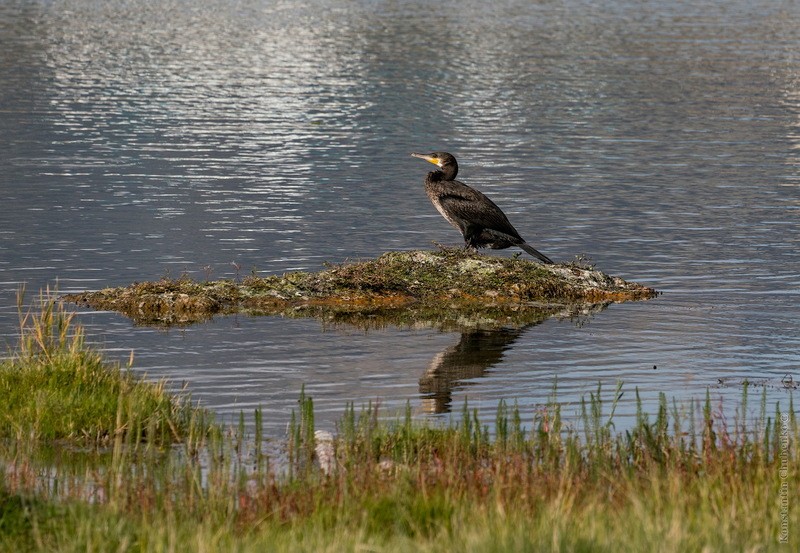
(480, 221)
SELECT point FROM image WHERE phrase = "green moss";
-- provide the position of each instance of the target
(445, 285)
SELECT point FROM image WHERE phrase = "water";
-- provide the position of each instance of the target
(661, 139)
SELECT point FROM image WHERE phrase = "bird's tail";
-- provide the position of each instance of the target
(536, 253)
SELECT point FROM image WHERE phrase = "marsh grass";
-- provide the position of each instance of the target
(56, 388)
(682, 479)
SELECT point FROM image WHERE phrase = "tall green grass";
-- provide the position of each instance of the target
(681, 479)
(54, 387)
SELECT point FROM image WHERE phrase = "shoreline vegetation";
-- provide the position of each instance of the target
(93, 459)
(448, 288)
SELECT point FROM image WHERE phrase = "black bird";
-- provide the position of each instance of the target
(481, 222)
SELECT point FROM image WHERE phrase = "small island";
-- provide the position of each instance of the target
(446, 287)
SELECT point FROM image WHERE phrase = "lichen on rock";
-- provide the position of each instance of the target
(397, 283)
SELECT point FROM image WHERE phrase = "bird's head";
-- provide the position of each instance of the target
(440, 159)
(444, 161)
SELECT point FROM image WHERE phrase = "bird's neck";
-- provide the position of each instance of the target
(435, 176)
(447, 173)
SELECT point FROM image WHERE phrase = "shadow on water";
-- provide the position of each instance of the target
(440, 318)
(472, 356)
(477, 351)
(484, 337)
(486, 331)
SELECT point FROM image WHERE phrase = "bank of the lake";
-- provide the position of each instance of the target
(94, 460)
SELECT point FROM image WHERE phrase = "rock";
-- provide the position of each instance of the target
(444, 285)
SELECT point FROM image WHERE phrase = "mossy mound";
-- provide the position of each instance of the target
(451, 281)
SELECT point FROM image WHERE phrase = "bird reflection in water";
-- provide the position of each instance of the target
(475, 353)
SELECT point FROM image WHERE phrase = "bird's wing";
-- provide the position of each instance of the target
(472, 206)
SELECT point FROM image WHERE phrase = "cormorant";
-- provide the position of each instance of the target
(481, 222)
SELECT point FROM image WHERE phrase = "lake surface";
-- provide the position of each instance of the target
(660, 139)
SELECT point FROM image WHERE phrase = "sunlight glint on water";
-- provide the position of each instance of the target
(218, 138)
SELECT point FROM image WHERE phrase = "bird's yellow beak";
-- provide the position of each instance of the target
(430, 159)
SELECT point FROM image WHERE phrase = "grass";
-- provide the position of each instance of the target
(681, 479)
(56, 388)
